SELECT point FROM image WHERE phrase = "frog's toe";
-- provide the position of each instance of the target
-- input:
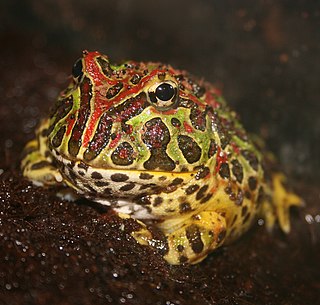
(283, 200)
(38, 169)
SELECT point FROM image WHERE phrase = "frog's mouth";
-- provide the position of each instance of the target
(121, 182)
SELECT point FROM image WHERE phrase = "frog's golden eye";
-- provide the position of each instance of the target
(163, 95)
(77, 70)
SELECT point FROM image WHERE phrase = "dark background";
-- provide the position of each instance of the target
(264, 55)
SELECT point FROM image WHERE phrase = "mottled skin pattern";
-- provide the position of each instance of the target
(155, 143)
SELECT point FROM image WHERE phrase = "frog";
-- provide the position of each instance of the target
(158, 146)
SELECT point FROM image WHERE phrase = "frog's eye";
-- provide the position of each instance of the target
(163, 95)
(77, 70)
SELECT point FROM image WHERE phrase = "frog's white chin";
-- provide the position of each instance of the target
(128, 207)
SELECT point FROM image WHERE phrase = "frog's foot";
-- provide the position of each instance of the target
(283, 200)
(192, 240)
(37, 168)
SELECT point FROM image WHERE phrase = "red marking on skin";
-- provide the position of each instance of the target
(235, 147)
(129, 130)
(115, 141)
(166, 112)
(93, 69)
(70, 123)
(127, 113)
(187, 127)
(214, 189)
(221, 158)
(124, 153)
(192, 98)
(210, 100)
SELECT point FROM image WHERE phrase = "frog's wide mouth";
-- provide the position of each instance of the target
(85, 171)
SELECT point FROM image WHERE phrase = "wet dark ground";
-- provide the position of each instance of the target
(264, 55)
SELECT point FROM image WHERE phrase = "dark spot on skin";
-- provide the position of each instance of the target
(91, 190)
(156, 136)
(251, 158)
(202, 173)
(198, 119)
(105, 66)
(198, 90)
(239, 198)
(119, 177)
(228, 190)
(170, 188)
(234, 219)
(213, 147)
(206, 198)
(175, 122)
(247, 194)
(252, 181)
(135, 79)
(145, 176)
(143, 199)
(71, 165)
(221, 236)
(96, 175)
(189, 148)
(246, 218)
(201, 192)
(162, 178)
(61, 108)
(127, 187)
(176, 181)
(83, 166)
(180, 248)
(40, 165)
(123, 155)
(237, 170)
(57, 139)
(184, 207)
(244, 210)
(101, 183)
(107, 191)
(101, 138)
(72, 176)
(224, 171)
(145, 186)
(44, 133)
(83, 114)
(191, 189)
(194, 238)
(81, 173)
(183, 259)
(261, 195)
(114, 90)
(186, 103)
(157, 201)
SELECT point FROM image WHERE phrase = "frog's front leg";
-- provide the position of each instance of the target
(36, 163)
(191, 240)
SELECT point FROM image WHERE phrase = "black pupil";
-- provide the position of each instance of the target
(165, 92)
(77, 68)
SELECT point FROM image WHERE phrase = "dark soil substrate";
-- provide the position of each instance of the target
(58, 252)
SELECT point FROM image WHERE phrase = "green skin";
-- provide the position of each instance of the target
(155, 143)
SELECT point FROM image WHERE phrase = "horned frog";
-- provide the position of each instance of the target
(155, 143)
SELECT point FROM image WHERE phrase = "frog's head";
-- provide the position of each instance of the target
(141, 116)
